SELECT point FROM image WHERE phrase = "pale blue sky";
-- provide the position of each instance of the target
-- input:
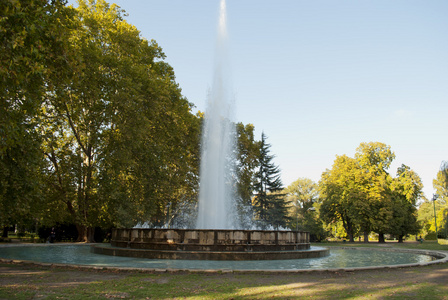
(318, 77)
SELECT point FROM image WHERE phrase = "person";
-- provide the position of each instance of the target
(52, 237)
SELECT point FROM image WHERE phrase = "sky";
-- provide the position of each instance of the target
(318, 77)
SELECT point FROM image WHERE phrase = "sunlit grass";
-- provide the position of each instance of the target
(426, 245)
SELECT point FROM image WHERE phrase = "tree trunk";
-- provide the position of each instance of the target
(5, 232)
(351, 238)
(381, 238)
(366, 237)
(349, 229)
(400, 238)
(85, 234)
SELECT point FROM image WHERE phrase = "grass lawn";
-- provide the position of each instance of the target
(426, 245)
(20, 281)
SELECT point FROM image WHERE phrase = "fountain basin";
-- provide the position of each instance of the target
(208, 244)
(340, 258)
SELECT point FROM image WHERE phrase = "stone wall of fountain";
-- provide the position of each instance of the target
(203, 244)
(210, 240)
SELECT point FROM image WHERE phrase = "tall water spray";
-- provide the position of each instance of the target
(216, 185)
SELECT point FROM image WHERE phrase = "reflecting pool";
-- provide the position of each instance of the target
(339, 258)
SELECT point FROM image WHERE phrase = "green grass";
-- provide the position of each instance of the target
(426, 245)
(27, 282)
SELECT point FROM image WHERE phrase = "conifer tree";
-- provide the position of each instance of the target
(269, 203)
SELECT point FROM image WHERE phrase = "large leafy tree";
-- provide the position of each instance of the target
(247, 161)
(339, 191)
(361, 194)
(121, 142)
(374, 210)
(303, 194)
(246, 156)
(33, 48)
(406, 191)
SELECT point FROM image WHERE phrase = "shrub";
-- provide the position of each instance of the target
(431, 236)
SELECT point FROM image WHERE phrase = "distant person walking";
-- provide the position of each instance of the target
(52, 236)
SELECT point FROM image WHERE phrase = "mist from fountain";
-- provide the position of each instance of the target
(216, 193)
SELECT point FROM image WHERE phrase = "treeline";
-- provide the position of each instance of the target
(358, 197)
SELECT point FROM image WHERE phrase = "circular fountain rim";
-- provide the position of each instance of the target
(440, 257)
(210, 244)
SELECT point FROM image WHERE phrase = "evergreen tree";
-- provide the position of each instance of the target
(270, 205)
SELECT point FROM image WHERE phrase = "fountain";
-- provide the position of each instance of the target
(216, 185)
(210, 244)
(217, 235)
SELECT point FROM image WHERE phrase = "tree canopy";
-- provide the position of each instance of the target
(115, 141)
(361, 194)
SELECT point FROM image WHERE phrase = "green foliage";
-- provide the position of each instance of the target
(121, 141)
(94, 129)
(339, 191)
(247, 161)
(364, 197)
(247, 151)
(434, 214)
(431, 236)
(303, 194)
(270, 205)
(440, 183)
(406, 191)
(33, 47)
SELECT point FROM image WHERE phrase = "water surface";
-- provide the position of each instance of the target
(338, 258)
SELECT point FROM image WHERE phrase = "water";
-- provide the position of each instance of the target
(339, 258)
(216, 182)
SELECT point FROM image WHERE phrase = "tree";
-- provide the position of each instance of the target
(339, 191)
(121, 142)
(374, 211)
(302, 193)
(406, 191)
(304, 196)
(270, 206)
(438, 207)
(440, 183)
(32, 55)
(361, 194)
(246, 161)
